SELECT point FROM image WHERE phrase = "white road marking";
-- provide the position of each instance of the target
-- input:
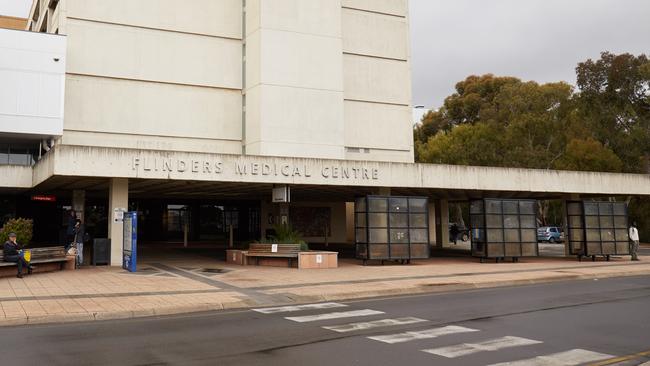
(373, 324)
(422, 334)
(326, 316)
(489, 345)
(286, 309)
(568, 358)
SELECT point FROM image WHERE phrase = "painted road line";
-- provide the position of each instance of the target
(373, 324)
(489, 345)
(327, 316)
(422, 334)
(286, 309)
(567, 358)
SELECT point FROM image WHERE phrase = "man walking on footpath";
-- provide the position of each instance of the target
(634, 236)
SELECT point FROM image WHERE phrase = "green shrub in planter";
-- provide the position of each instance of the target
(285, 234)
(24, 229)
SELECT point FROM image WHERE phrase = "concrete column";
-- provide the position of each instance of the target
(79, 203)
(432, 224)
(442, 223)
(565, 221)
(118, 197)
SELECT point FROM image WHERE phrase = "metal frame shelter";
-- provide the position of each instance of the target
(597, 228)
(503, 228)
(391, 228)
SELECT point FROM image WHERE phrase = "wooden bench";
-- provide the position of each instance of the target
(289, 251)
(41, 255)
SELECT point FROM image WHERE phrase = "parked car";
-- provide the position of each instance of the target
(551, 234)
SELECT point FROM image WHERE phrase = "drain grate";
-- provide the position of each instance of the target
(215, 270)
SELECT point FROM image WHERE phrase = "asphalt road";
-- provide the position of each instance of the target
(574, 321)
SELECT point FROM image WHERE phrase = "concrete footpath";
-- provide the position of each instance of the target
(197, 283)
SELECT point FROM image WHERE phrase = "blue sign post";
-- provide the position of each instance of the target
(130, 243)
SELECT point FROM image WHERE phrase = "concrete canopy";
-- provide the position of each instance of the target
(159, 173)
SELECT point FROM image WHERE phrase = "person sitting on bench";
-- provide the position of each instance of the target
(11, 254)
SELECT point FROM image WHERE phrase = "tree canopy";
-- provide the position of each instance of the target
(603, 125)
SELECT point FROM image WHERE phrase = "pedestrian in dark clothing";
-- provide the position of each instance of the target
(634, 237)
(79, 233)
(454, 231)
(69, 231)
(11, 254)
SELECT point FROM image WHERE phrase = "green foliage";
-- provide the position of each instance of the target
(614, 102)
(23, 228)
(285, 234)
(603, 125)
(589, 154)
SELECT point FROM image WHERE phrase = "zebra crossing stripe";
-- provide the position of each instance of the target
(338, 315)
(286, 309)
(373, 324)
(489, 345)
(568, 358)
(422, 334)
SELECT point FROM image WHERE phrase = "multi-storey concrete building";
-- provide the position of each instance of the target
(191, 112)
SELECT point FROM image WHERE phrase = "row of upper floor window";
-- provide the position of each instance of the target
(18, 155)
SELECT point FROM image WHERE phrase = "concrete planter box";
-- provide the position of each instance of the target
(317, 259)
(236, 256)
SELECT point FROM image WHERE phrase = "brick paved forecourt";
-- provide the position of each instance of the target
(196, 284)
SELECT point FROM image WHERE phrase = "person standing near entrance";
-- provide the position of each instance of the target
(69, 232)
(79, 233)
(11, 254)
(454, 231)
(634, 237)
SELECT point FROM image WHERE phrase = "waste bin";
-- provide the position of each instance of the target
(101, 251)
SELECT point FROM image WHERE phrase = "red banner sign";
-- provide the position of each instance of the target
(44, 198)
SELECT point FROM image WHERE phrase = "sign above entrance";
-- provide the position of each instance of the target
(44, 198)
(254, 168)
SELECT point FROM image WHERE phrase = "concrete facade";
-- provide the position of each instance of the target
(309, 78)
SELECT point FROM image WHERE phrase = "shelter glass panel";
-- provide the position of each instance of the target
(418, 205)
(419, 236)
(620, 208)
(510, 207)
(399, 236)
(493, 207)
(510, 221)
(377, 204)
(399, 220)
(419, 220)
(494, 221)
(528, 221)
(527, 207)
(398, 204)
(360, 204)
(361, 236)
(378, 219)
(378, 236)
(605, 208)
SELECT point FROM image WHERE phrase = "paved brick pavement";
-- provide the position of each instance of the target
(196, 283)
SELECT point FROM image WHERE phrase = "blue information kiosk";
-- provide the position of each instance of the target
(130, 243)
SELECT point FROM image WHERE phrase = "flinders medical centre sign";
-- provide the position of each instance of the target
(250, 168)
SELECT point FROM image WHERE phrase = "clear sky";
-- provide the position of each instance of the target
(541, 40)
